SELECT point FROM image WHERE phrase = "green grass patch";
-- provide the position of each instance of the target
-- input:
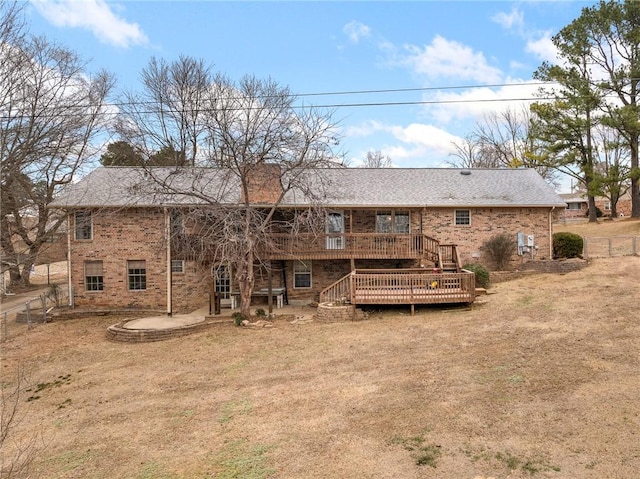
(233, 409)
(153, 470)
(422, 453)
(241, 460)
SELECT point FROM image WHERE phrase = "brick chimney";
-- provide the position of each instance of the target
(263, 183)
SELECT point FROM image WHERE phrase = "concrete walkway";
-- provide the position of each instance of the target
(168, 322)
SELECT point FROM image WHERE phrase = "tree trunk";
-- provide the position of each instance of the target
(246, 281)
(593, 213)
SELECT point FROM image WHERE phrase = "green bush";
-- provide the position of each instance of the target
(599, 213)
(567, 245)
(261, 313)
(482, 275)
(237, 318)
(500, 248)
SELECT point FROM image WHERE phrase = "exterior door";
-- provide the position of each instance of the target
(335, 230)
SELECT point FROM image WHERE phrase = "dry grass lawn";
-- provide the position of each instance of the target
(540, 379)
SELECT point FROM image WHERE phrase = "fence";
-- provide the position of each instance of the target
(596, 247)
(32, 310)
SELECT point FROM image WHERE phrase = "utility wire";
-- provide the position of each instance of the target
(168, 110)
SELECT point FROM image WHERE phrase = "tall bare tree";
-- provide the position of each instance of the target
(256, 148)
(51, 112)
(166, 115)
(376, 159)
(502, 139)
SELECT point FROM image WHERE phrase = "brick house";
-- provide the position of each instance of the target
(120, 254)
(578, 206)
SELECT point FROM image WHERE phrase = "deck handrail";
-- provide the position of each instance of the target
(338, 290)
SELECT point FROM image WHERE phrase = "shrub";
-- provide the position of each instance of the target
(500, 248)
(599, 213)
(237, 318)
(261, 313)
(482, 275)
(567, 245)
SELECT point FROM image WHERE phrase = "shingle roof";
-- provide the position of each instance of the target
(345, 187)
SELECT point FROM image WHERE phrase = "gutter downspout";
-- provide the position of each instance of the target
(551, 232)
(70, 288)
(167, 231)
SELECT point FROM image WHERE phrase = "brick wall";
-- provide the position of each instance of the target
(134, 234)
(486, 223)
(138, 234)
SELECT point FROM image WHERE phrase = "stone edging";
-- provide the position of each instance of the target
(118, 333)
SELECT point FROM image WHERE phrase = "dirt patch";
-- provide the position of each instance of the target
(539, 380)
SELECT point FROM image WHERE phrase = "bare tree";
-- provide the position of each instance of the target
(259, 149)
(17, 449)
(166, 115)
(375, 159)
(502, 140)
(51, 112)
(471, 152)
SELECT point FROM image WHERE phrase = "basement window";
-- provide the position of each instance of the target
(462, 217)
(137, 275)
(93, 276)
(302, 274)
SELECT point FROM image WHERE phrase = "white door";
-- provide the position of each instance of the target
(335, 230)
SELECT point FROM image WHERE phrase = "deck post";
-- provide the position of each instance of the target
(413, 309)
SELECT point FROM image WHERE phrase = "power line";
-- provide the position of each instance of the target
(327, 105)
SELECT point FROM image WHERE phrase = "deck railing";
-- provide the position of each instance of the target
(409, 286)
(340, 291)
(354, 245)
(327, 246)
(449, 257)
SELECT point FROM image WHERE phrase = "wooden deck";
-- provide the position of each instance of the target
(409, 286)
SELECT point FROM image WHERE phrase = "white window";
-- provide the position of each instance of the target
(607, 206)
(83, 225)
(93, 276)
(574, 206)
(222, 281)
(335, 230)
(462, 217)
(177, 266)
(302, 274)
(137, 275)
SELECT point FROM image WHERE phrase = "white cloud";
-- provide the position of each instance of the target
(356, 31)
(543, 48)
(510, 21)
(93, 15)
(449, 59)
(472, 104)
(367, 128)
(414, 145)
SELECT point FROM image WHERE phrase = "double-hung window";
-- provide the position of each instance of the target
(137, 275)
(462, 217)
(83, 225)
(302, 274)
(93, 276)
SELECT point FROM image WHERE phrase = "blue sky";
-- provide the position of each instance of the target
(332, 47)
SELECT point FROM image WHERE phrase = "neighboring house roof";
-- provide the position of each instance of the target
(343, 187)
(573, 198)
